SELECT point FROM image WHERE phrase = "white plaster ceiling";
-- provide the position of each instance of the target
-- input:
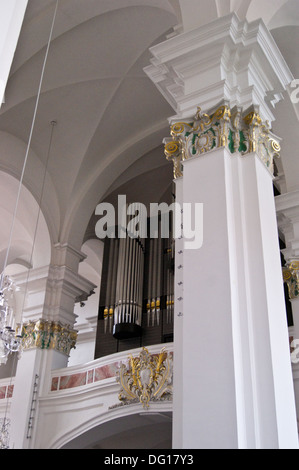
(27, 225)
(94, 87)
(110, 118)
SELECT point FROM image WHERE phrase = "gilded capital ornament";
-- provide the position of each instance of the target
(238, 131)
(44, 334)
(291, 278)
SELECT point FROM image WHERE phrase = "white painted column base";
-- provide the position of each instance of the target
(234, 367)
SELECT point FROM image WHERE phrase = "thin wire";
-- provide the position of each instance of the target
(53, 124)
(29, 143)
(20, 187)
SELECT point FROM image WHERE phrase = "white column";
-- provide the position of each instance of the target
(51, 293)
(34, 366)
(178, 384)
(287, 209)
(11, 18)
(232, 362)
(235, 370)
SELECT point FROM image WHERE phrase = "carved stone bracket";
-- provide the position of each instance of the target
(146, 378)
(239, 132)
(48, 335)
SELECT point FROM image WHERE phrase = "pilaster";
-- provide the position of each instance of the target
(48, 332)
(287, 209)
(236, 389)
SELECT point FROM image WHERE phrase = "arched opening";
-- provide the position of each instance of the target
(138, 431)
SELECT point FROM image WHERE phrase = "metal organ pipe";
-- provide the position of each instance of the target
(140, 283)
(129, 287)
(113, 285)
(119, 283)
(150, 270)
(159, 266)
(154, 281)
(135, 280)
(125, 282)
(109, 283)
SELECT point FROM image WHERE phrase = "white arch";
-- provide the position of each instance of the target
(195, 13)
(131, 429)
(30, 244)
(287, 15)
(12, 154)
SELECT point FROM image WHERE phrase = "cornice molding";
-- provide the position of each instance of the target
(228, 55)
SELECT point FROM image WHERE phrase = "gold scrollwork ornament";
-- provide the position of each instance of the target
(146, 378)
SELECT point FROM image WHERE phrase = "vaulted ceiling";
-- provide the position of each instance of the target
(110, 118)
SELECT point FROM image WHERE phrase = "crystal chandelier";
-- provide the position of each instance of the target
(10, 329)
(10, 334)
(4, 433)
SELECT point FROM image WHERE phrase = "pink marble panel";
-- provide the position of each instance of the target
(90, 376)
(71, 381)
(2, 392)
(105, 372)
(54, 385)
(10, 391)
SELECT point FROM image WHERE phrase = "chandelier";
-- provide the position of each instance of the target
(10, 320)
(10, 332)
(4, 433)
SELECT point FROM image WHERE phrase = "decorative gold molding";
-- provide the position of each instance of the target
(239, 132)
(146, 378)
(48, 335)
(290, 274)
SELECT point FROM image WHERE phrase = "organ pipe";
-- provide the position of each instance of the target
(129, 284)
(131, 260)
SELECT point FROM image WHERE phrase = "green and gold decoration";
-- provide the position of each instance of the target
(239, 132)
(44, 334)
(291, 278)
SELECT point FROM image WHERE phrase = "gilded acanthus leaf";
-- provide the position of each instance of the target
(147, 377)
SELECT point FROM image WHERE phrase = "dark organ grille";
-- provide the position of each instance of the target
(136, 299)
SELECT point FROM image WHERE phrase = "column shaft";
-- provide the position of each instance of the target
(235, 368)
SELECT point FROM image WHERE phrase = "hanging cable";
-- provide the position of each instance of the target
(53, 124)
(29, 144)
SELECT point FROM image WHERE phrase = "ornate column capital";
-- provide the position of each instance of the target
(291, 277)
(239, 131)
(45, 334)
